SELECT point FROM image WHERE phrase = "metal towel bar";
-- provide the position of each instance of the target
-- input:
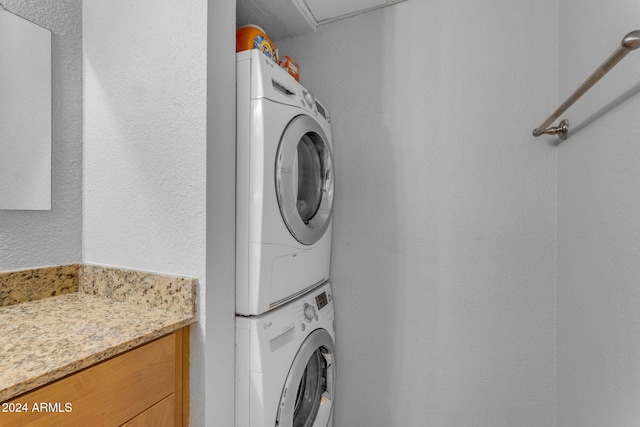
(630, 42)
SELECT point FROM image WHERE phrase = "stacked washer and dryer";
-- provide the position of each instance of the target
(285, 340)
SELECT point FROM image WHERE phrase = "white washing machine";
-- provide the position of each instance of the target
(285, 364)
(284, 187)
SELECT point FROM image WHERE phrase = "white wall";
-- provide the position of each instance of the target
(219, 360)
(598, 227)
(144, 135)
(41, 238)
(145, 145)
(444, 261)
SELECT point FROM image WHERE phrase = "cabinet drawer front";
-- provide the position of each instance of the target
(107, 394)
(162, 414)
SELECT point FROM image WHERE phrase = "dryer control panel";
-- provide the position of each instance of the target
(269, 80)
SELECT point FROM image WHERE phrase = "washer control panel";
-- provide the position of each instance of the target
(314, 308)
(322, 300)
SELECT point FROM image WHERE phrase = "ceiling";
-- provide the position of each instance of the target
(282, 19)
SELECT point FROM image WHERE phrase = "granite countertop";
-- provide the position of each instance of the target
(109, 312)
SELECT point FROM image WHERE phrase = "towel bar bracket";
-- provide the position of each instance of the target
(561, 130)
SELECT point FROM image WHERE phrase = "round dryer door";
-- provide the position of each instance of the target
(304, 179)
(307, 397)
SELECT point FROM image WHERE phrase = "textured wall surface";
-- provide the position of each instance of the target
(145, 142)
(444, 261)
(145, 129)
(40, 238)
(598, 222)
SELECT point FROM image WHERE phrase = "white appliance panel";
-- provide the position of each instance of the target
(267, 347)
(275, 260)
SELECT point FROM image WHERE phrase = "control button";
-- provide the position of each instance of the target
(308, 97)
(309, 312)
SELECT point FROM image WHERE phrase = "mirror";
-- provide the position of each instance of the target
(25, 114)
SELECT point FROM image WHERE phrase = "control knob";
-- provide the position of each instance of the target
(309, 312)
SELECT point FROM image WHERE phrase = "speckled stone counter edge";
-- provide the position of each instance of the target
(161, 303)
(50, 338)
(37, 283)
(173, 293)
(152, 290)
(71, 368)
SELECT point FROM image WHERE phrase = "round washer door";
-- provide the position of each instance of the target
(307, 397)
(304, 179)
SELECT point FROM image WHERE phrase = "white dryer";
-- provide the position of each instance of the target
(284, 187)
(285, 364)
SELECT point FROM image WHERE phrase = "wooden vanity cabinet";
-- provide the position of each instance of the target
(146, 386)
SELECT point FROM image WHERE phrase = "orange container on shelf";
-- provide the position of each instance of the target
(254, 37)
(291, 66)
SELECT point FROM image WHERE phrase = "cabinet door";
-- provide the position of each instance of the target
(162, 414)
